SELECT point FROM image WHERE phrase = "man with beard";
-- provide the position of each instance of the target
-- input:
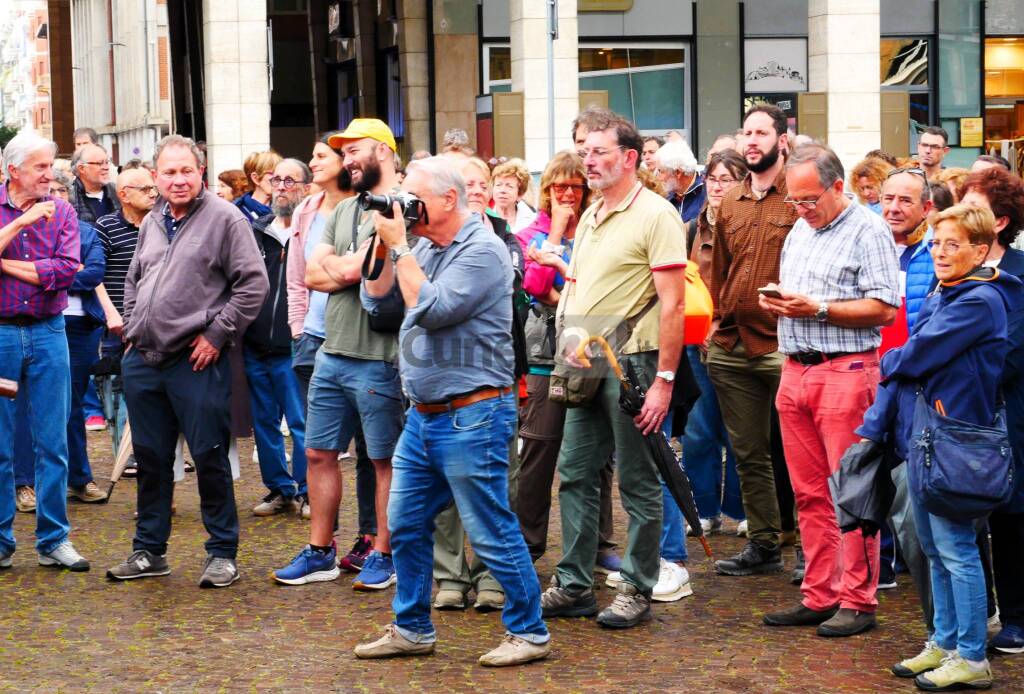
(355, 379)
(273, 385)
(679, 172)
(743, 358)
(626, 271)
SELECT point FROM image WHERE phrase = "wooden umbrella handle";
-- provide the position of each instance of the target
(8, 389)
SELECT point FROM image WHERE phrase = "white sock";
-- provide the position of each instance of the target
(977, 665)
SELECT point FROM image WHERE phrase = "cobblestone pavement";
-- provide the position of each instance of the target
(62, 631)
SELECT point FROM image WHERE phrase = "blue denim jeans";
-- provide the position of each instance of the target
(673, 535)
(703, 440)
(83, 350)
(36, 357)
(958, 582)
(273, 389)
(460, 455)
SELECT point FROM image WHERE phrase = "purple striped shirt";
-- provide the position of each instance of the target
(53, 246)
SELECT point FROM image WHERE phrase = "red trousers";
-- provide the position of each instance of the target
(819, 407)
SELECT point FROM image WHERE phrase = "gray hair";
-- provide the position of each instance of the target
(676, 155)
(829, 168)
(455, 137)
(63, 178)
(307, 175)
(25, 143)
(76, 158)
(443, 175)
(88, 132)
(179, 141)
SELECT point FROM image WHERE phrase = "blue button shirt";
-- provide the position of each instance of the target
(458, 337)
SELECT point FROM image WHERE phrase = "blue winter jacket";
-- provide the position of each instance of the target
(920, 276)
(1013, 384)
(94, 263)
(955, 353)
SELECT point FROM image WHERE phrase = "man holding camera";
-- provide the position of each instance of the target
(355, 379)
(458, 370)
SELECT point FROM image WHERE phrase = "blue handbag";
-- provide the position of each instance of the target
(958, 469)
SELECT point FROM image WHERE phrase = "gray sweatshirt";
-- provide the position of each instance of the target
(209, 281)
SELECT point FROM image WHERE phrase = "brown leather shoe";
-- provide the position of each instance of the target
(799, 616)
(847, 622)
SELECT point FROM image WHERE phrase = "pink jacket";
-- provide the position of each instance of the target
(539, 279)
(295, 271)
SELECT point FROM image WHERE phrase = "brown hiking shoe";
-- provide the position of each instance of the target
(847, 622)
(392, 645)
(799, 616)
(88, 493)
(25, 499)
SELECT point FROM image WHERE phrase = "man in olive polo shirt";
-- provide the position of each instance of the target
(629, 262)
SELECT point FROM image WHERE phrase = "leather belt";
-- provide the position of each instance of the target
(463, 401)
(815, 358)
(19, 321)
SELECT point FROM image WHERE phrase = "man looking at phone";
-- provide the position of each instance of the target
(839, 282)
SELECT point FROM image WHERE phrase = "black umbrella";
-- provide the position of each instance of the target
(631, 400)
(862, 487)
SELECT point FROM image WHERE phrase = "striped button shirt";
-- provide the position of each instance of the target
(53, 246)
(853, 257)
(119, 238)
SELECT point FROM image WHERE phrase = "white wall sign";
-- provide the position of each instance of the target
(775, 65)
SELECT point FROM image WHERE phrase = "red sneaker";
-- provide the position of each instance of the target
(353, 561)
(95, 423)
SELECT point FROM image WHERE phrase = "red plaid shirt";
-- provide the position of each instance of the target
(53, 246)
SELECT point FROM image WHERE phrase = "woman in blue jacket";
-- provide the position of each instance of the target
(954, 355)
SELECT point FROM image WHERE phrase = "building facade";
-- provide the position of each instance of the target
(25, 67)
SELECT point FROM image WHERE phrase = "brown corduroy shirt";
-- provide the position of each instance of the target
(747, 253)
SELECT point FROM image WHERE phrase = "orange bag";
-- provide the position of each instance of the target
(699, 307)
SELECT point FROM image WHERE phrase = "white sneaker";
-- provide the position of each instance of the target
(741, 529)
(64, 556)
(284, 428)
(673, 583)
(614, 580)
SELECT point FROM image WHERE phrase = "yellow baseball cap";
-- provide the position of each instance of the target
(364, 127)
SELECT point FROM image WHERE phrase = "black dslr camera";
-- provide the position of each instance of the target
(413, 209)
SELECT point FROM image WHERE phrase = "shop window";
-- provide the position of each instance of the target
(1004, 94)
(393, 88)
(497, 67)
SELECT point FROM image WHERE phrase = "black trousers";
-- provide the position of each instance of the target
(1008, 564)
(163, 402)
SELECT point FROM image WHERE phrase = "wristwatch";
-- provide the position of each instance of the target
(399, 252)
(822, 312)
(667, 376)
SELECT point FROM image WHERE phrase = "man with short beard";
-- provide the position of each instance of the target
(273, 385)
(355, 380)
(743, 358)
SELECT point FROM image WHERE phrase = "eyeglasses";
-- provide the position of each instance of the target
(948, 246)
(288, 182)
(146, 190)
(597, 151)
(723, 181)
(916, 170)
(101, 164)
(806, 204)
(921, 145)
(561, 189)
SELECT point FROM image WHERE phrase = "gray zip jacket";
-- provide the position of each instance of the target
(209, 281)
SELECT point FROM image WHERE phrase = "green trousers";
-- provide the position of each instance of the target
(591, 433)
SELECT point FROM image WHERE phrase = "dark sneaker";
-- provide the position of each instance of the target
(5, 558)
(64, 556)
(378, 573)
(131, 469)
(799, 569)
(886, 576)
(607, 562)
(274, 502)
(799, 616)
(218, 572)
(1009, 640)
(557, 601)
(353, 561)
(140, 564)
(309, 566)
(847, 622)
(627, 610)
(753, 559)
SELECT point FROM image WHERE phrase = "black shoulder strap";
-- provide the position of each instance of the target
(373, 262)
(691, 234)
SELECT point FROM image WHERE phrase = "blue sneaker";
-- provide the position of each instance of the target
(309, 566)
(1010, 639)
(378, 573)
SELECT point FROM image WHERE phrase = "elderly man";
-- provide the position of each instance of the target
(839, 282)
(273, 385)
(626, 270)
(456, 439)
(932, 148)
(39, 256)
(91, 195)
(195, 284)
(679, 171)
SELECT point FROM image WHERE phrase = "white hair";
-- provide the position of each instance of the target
(676, 156)
(25, 143)
(443, 175)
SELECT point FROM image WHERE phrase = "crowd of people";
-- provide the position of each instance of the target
(428, 317)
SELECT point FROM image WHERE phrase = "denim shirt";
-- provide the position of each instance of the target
(458, 336)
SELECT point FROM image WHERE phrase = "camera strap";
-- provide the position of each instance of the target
(376, 255)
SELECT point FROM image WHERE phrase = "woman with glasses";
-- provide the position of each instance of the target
(1003, 193)
(954, 357)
